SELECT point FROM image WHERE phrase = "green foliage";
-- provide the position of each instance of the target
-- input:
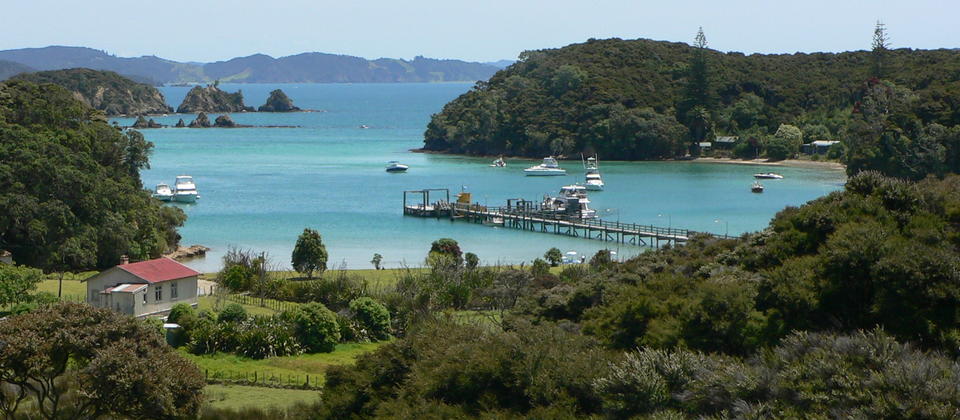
(445, 249)
(554, 256)
(232, 312)
(92, 363)
(372, 316)
(785, 143)
(376, 260)
(471, 260)
(642, 99)
(309, 254)
(264, 337)
(105, 90)
(540, 268)
(70, 190)
(16, 283)
(316, 328)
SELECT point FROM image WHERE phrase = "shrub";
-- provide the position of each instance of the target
(316, 328)
(264, 337)
(540, 268)
(446, 247)
(185, 316)
(554, 256)
(233, 312)
(372, 316)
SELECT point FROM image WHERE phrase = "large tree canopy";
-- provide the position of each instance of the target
(70, 361)
(70, 189)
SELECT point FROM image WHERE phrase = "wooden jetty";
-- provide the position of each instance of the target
(530, 216)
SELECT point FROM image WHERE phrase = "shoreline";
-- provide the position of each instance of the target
(793, 163)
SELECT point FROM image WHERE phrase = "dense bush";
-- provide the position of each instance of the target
(232, 312)
(372, 316)
(316, 327)
(264, 336)
(71, 195)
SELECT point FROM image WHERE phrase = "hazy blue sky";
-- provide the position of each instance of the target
(484, 30)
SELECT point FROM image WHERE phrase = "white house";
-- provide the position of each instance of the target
(143, 288)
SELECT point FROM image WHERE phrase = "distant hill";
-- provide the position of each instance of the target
(105, 90)
(10, 68)
(312, 67)
(500, 64)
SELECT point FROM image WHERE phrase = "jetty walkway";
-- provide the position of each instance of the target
(530, 216)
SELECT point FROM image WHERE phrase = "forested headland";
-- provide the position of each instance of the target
(105, 90)
(70, 189)
(643, 99)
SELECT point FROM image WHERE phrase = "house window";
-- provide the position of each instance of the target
(158, 294)
(173, 290)
(144, 297)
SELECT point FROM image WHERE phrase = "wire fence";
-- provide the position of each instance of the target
(276, 305)
(264, 379)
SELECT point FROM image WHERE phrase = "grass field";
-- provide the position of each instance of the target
(237, 396)
(305, 364)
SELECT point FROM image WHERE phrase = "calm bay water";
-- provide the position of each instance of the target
(261, 186)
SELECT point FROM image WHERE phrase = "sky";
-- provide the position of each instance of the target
(477, 30)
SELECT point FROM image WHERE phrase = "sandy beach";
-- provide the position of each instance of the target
(796, 163)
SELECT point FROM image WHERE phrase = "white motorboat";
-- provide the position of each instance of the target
(163, 192)
(394, 166)
(185, 190)
(499, 163)
(768, 175)
(757, 187)
(549, 167)
(572, 203)
(593, 180)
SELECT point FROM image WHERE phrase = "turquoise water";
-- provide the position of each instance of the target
(261, 186)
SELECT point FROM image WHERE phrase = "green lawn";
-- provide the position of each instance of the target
(305, 364)
(72, 284)
(236, 396)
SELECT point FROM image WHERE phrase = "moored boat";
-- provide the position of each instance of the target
(757, 187)
(163, 192)
(768, 175)
(571, 203)
(593, 181)
(499, 163)
(394, 166)
(185, 190)
(549, 167)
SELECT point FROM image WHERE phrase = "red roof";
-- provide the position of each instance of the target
(158, 270)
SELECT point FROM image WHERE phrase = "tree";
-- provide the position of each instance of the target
(16, 282)
(698, 101)
(309, 254)
(471, 260)
(316, 327)
(785, 143)
(232, 312)
(377, 259)
(74, 361)
(445, 251)
(881, 44)
(553, 256)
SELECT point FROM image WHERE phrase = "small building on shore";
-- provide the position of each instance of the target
(725, 142)
(143, 288)
(819, 147)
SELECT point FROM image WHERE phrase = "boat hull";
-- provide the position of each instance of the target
(185, 198)
(594, 187)
(396, 170)
(163, 197)
(544, 173)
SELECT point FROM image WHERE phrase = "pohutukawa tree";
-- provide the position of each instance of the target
(69, 361)
(309, 254)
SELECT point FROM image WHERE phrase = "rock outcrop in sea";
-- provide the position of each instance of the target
(180, 124)
(211, 99)
(278, 102)
(142, 122)
(224, 121)
(202, 121)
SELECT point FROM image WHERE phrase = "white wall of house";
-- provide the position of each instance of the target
(186, 292)
(143, 302)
